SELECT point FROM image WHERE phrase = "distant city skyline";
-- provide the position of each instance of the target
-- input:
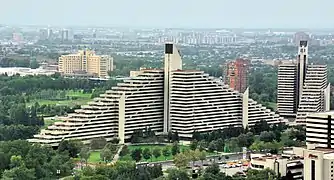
(170, 14)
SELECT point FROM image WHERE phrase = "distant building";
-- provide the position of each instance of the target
(300, 36)
(11, 71)
(50, 34)
(302, 88)
(85, 62)
(17, 37)
(43, 34)
(64, 35)
(237, 74)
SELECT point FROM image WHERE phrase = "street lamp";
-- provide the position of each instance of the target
(58, 173)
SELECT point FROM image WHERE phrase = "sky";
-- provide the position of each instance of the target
(170, 13)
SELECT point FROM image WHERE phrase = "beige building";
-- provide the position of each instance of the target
(85, 62)
(282, 164)
(318, 163)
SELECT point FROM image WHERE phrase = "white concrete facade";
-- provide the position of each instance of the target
(169, 99)
(302, 88)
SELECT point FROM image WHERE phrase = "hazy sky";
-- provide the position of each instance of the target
(171, 13)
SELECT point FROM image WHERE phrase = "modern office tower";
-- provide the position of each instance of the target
(169, 99)
(319, 128)
(85, 62)
(237, 74)
(302, 88)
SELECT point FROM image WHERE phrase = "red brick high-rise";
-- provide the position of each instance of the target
(237, 74)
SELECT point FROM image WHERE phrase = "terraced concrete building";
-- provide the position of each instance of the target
(162, 99)
(302, 88)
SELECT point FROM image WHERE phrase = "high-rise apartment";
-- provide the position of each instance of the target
(302, 88)
(236, 74)
(319, 157)
(319, 128)
(64, 35)
(85, 62)
(169, 99)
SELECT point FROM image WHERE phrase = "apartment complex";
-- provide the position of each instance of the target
(162, 99)
(319, 129)
(85, 62)
(302, 88)
(236, 74)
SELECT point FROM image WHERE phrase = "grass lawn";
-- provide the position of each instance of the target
(94, 157)
(82, 98)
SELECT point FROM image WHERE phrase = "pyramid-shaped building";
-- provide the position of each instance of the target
(169, 99)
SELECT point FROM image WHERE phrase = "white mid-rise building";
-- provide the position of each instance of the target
(168, 99)
(302, 88)
(319, 129)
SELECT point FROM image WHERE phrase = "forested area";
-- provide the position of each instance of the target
(262, 137)
(24, 161)
(21, 115)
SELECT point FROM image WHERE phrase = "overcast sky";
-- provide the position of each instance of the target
(171, 13)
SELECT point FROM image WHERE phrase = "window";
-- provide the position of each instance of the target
(313, 170)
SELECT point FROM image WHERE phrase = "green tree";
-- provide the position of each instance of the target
(175, 148)
(267, 136)
(156, 152)
(136, 154)
(4, 161)
(194, 155)
(147, 154)
(181, 160)
(261, 174)
(16, 161)
(106, 155)
(177, 174)
(202, 156)
(202, 145)
(193, 144)
(166, 152)
(212, 146)
(98, 143)
(84, 154)
(73, 147)
(125, 150)
(19, 173)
